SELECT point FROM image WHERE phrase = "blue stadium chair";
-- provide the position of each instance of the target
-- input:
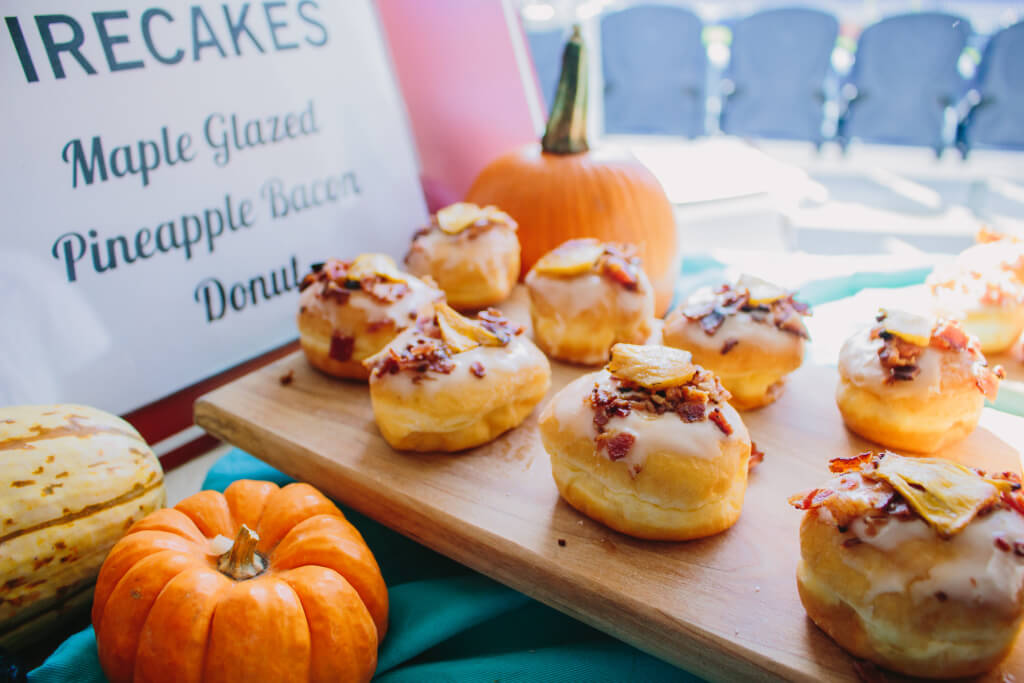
(655, 69)
(546, 49)
(997, 121)
(905, 76)
(776, 75)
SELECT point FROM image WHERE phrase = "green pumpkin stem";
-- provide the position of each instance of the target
(242, 561)
(566, 132)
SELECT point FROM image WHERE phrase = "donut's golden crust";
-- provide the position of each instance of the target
(469, 412)
(587, 335)
(315, 334)
(995, 328)
(923, 421)
(754, 373)
(469, 281)
(673, 498)
(928, 638)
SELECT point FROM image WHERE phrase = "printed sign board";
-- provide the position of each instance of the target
(168, 175)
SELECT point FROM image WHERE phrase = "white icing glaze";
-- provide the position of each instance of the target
(402, 311)
(859, 363)
(976, 572)
(483, 251)
(653, 433)
(740, 326)
(569, 296)
(519, 353)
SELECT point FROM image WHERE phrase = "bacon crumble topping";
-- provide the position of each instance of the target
(785, 313)
(428, 352)
(332, 277)
(900, 357)
(873, 499)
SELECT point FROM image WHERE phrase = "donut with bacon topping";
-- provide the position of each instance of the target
(449, 382)
(916, 564)
(984, 288)
(914, 382)
(472, 252)
(750, 333)
(587, 295)
(649, 445)
(348, 310)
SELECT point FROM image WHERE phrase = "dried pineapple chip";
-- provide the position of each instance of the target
(761, 291)
(652, 367)
(455, 218)
(460, 333)
(571, 258)
(909, 327)
(369, 265)
(946, 494)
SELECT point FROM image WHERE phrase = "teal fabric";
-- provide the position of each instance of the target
(447, 623)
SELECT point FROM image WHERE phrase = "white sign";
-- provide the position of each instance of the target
(169, 173)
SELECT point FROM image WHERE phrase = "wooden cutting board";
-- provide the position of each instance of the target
(725, 607)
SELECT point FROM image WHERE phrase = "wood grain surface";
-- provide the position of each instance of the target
(725, 607)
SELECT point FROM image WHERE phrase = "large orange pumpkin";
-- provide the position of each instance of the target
(560, 189)
(297, 596)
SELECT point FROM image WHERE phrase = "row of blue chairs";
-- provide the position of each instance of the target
(903, 82)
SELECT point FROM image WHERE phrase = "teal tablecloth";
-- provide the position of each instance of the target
(449, 623)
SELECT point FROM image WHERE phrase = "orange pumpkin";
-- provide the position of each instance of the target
(297, 596)
(560, 189)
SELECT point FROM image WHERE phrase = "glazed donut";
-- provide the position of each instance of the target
(348, 311)
(749, 333)
(471, 252)
(913, 383)
(649, 446)
(586, 296)
(984, 288)
(449, 383)
(916, 564)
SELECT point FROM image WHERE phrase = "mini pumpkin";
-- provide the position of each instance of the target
(295, 596)
(560, 189)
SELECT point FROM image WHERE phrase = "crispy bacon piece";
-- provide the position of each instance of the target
(756, 456)
(478, 369)
(949, 335)
(691, 412)
(424, 353)
(341, 347)
(1014, 500)
(987, 380)
(784, 313)
(716, 416)
(810, 500)
(617, 445)
(852, 463)
(497, 324)
(729, 345)
(620, 264)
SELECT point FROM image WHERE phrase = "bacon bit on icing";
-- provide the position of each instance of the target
(729, 345)
(618, 445)
(332, 276)
(900, 357)
(852, 463)
(785, 313)
(716, 416)
(811, 499)
(497, 324)
(478, 369)
(756, 456)
(341, 347)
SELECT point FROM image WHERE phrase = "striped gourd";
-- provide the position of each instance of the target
(72, 480)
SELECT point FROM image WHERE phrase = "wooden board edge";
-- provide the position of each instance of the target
(701, 657)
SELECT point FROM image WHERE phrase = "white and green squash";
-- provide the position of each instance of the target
(72, 480)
